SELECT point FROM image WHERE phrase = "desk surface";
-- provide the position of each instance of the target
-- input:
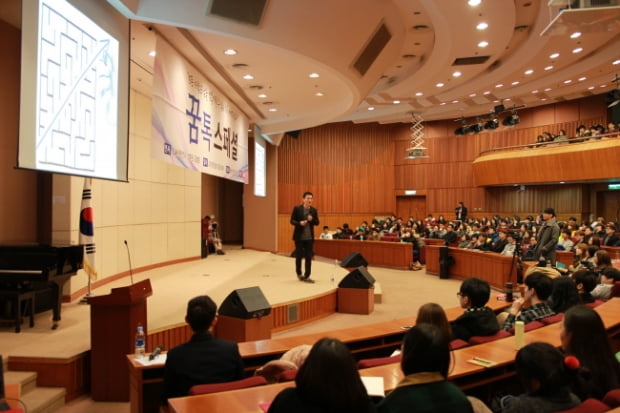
(500, 351)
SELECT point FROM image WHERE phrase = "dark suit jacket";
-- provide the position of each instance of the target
(298, 215)
(203, 359)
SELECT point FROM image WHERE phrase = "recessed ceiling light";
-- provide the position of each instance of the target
(591, 87)
(616, 62)
(474, 3)
(582, 78)
(549, 67)
(528, 72)
(371, 108)
(483, 43)
(535, 91)
(543, 99)
(248, 77)
(318, 94)
(471, 95)
(439, 84)
(419, 94)
(603, 85)
(567, 81)
(456, 74)
(230, 52)
(488, 92)
(515, 83)
(507, 99)
(499, 85)
(482, 26)
(442, 103)
(396, 102)
(262, 96)
(273, 109)
(547, 89)
(313, 75)
(455, 101)
(152, 53)
(578, 50)
(554, 55)
(575, 35)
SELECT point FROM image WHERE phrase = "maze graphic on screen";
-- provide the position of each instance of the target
(75, 72)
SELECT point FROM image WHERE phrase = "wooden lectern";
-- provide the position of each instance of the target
(114, 319)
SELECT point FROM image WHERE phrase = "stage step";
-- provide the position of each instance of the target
(23, 385)
(378, 293)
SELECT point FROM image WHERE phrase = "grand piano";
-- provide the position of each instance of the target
(41, 270)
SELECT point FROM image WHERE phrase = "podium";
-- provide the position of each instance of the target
(113, 322)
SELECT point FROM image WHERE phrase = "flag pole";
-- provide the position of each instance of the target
(87, 237)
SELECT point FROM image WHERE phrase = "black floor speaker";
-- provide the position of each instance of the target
(358, 278)
(354, 260)
(245, 303)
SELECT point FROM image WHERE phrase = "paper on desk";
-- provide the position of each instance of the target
(374, 385)
(159, 360)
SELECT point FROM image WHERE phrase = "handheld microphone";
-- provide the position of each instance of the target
(156, 352)
(129, 259)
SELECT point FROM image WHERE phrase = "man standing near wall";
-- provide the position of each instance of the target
(547, 238)
(304, 218)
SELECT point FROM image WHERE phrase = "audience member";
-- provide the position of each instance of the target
(327, 382)
(326, 234)
(585, 281)
(478, 319)
(546, 378)
(432, 313)
(547, 238)
(565, 243)
(564, 294)
(511, 245)
(425, 364)
(583, 335)
(601, 260)
(609, 276)
(203, 359)
(611, 239)
(291, 360)
(538, 288)
(581, 257)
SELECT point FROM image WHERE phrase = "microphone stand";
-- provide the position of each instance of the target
(129, 259)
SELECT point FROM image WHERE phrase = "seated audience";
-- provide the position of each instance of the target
(585, 280)
(425, 364)
(610, 239)
(581, 257)
(538, 288)
(478, 319)
(325, 234)
(583, 335)
(511, 245)
(565, 243)
(609, 276)
(450, 236)
(546, 377)
(564, 294)
(601, 260)
(203, 359)
(530, 253)
(327, 381)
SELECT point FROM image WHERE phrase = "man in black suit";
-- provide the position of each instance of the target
(460, 211)
(203, 359)
(304, 218)
(611, 239)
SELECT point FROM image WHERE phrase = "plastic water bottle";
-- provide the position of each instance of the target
(140, 348)
(519, 332)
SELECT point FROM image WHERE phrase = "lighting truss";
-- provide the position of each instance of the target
(417, 148)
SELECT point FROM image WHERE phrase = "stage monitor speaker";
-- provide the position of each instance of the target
(354, 260)
(245, 303)
(358, 278)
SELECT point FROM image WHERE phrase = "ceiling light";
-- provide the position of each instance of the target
(482, 26)
(591, 87)
(248, 77)
(439, 84)
(582, 78)
(499, 85)
(535, 91)
(483, 43)
(419, 94)
(273, 110)
(616, 62)
(474, 3)
(575, 35)
(442, 103)
(313, 75)
(515, 83)
(318, 94)
(455, 101)
(578, 50)
(604, 85)
(528, 72)
(549, 67)
(152, 53)
(371, 108)
(554, 56)
(488, 92)
(511, 120)
(262, 96)
(547, 89)
(567, 81)
(230, 52)
(491, 124)
(456, 74)
(396, 102)
(472, 95)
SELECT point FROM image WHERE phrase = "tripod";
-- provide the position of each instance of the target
(517, 262)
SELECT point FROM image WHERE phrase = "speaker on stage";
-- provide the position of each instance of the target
(358, 278)
(354, 259)
(245, 303)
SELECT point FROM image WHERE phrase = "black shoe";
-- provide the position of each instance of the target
(299, 277)
(309, 280)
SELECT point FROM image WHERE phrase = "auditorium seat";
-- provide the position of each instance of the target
(612, 398)
(458, 343)
(378, 361)
(552, 319)
(588, 406)
(615, 290)
(229, 385)
(485, 339)
(595, 303)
